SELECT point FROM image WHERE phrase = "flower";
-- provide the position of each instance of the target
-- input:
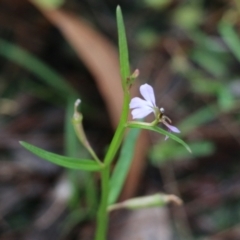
(142, 108)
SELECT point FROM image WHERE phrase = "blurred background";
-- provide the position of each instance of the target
(52, 52)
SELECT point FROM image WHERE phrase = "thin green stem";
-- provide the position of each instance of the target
(119, 134)
(102, 215)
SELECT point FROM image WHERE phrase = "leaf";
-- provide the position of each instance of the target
(71, 141)
(210, 61)
(163, 152)
(230, 37)
(159, 130)
(68, 162)
(123, 164)
(155, 200)
(199, 117)
(49, 4)
(123, 48)
(36, 66)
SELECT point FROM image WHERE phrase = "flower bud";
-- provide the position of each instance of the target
(131, 79)
(77, 116)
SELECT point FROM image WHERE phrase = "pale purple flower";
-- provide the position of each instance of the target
(143, 107)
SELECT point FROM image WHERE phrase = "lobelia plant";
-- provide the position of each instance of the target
(110, 189)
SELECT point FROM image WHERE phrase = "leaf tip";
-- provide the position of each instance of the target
(119, 10)
(23, 144)
(189, 149)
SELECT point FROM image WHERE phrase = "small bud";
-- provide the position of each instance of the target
(77, 116)
(131, 79)
(135, 74)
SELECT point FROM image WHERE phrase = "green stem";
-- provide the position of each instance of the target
(102, 215)
(119, 134)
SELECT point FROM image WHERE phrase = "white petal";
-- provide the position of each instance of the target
(138, 103)
(141, 112)
(148, 94)
(172, 128)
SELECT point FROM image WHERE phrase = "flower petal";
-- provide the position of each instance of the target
(148, 94)
(141, 112)
(171, 128)
(138, 103)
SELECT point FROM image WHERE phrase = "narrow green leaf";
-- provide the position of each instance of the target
(123, 48)
(123, 164)
(163, 152)
(159, 130)
(199, 117)
(68, 162)
(36, 66)
(209, 61)
(71, 141)
(155, 200)
(230, 37)
(49, 4)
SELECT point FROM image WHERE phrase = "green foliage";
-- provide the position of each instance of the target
(123, 48)
(156, 4)
(196, 119)
(206, 86)
(210, 61)
(71, 141)
(147, 37)
(188, 16)
(163, 152)
(161, 131)
(122, 166)
(225, 99)
(125, 73)
(230, 37)
(68, 162)
(37, 67)
(49, 4)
